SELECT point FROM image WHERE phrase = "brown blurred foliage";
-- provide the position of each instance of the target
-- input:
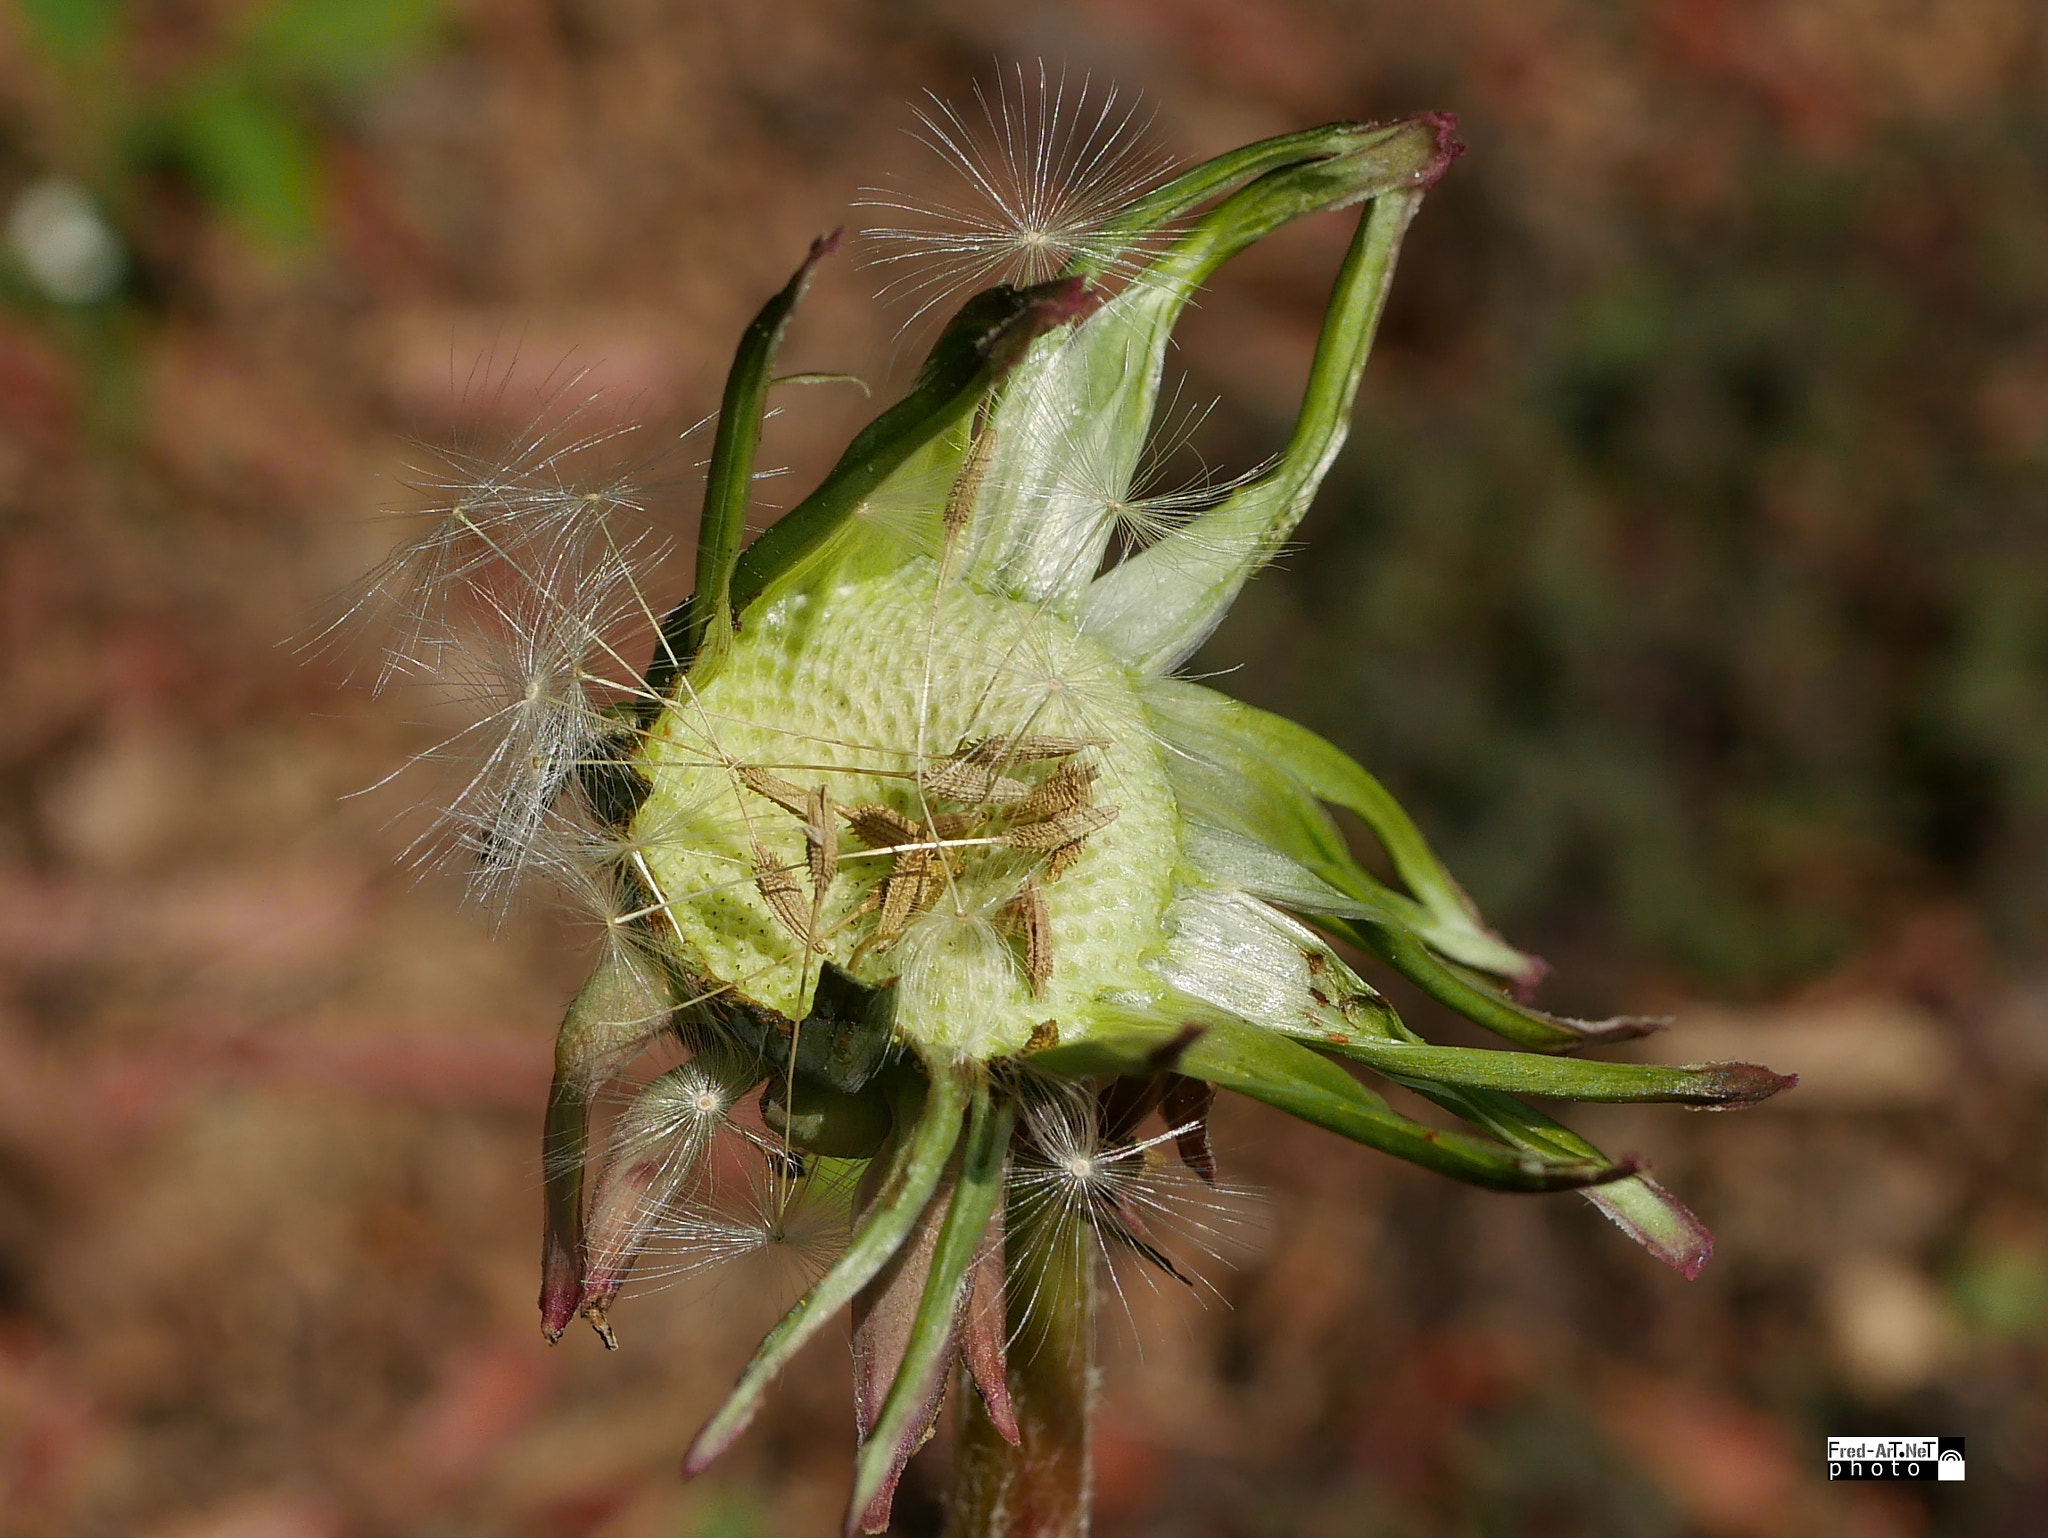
(1689, 574)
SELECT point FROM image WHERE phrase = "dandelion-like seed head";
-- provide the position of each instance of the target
(944, 907)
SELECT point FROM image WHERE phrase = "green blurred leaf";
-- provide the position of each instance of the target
(76, 31)
(2002, 1289)
(729, 1517)
(342, 40)
(250, 157)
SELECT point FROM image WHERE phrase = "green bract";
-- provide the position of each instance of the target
(948, 888)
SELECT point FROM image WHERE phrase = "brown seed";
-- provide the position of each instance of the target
(789, 797)
(953, 780)
(594, 1311)
(1044, 1034)
(907, 890)
(1026, 915)
(777, 886)
(1067, 828)
(881, 827)
(1067, 787)
(821, 843)
(1019, 748)
(967, 485)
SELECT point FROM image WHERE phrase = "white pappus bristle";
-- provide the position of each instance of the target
(1043, 165)
(1132, 1197)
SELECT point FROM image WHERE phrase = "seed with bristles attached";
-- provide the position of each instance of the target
(955, 779)
(1042, 172)
(1070, 827)
(959, 510)
(908, 889)
(1075, 1172)
(1067, 787)
(1006, 748)
(786, 1210)
(791, 798)
(657, 1151)
(1027, 916)
(821, 842)
(621, 1008)
(881, 827)
(776, 883)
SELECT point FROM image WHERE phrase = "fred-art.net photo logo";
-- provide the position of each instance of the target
(1895, 1458)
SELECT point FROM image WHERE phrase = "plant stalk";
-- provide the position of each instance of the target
(1040, 1487)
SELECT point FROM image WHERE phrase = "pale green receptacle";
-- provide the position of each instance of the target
(852, 679)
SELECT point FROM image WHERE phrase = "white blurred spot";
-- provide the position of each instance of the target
(1889, 1327)
(63, 241)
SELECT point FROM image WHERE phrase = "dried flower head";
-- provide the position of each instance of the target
(951, 896)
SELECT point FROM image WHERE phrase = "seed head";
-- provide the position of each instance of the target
(952, 907)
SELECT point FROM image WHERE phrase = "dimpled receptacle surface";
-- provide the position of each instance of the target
(851, 684)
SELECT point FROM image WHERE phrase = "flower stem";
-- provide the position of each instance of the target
(1040, 1487)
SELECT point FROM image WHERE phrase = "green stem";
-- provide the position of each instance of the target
(1040, 1487)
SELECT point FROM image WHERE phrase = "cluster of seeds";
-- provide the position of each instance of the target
(992, 809)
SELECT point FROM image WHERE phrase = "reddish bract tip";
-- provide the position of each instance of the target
(1064, 301)
(1739, 1084)
(1600, 1033)
(1448, 146)
(558, 1299)
(984, 1344)
(1691, 1265)
(1685, 1245)
(874, 1518)
(1044, 307)
(1523, 985)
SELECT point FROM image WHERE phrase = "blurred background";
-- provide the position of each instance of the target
(1687, 576)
